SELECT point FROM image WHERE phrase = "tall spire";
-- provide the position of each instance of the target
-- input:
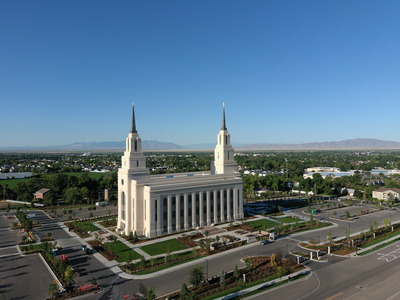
(133, 128)
(223, 117)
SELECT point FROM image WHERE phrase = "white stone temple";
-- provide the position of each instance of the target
(155, 205)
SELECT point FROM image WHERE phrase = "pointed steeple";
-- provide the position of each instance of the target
(133, 128)
(224, 162)
(223, 117)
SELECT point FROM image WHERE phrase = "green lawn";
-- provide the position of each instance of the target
(123, 251)
(163, 247)
(169, 265)
(262, 224)
(381, 239)
(87, 226)
(379, 247)
(287, 220)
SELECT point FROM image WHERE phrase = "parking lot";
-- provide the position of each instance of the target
(21, 277)
(24, 277)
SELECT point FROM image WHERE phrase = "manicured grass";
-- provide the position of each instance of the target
(321, 225)
(262, 224)
(381, 239)
(123, 251)
(87, 226)
(251, 284)
(273, 285)
(164, 247)
(379, 247)
(163, 267)
(237, 289)
(287, 220)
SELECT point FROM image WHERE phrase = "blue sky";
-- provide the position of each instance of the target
(289, 71)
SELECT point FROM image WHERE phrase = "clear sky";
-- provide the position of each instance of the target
(289, 71)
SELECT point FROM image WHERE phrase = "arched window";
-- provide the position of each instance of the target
(123, 198)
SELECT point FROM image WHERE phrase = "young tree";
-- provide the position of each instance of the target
(196, 275)
(375, 226)
(150, 293)
(386, 223)
(280, 271)
(236, 272)
(184, 291)
(329, 236)
(347, 233)
(222, 278)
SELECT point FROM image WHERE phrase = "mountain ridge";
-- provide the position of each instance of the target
(349, 144)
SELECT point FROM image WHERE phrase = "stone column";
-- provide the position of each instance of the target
(228, 204)
(240, 202)
(185, 211)
(235, 204)
(222, 200)
(169, 213)
(160, 202)
(215, 207)
(178, 212)
(208, 208)
(194, 223)
(201, 210)
(150, 217)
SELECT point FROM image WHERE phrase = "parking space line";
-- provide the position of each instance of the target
(390, 256)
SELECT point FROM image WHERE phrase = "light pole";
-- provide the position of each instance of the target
(286, 249)
(206, 269)
(319, 240)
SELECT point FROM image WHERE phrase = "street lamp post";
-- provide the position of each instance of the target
(319, 239)
(206, 270)
(286, 249)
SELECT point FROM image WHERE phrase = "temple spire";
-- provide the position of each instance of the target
(223, 117)
(133, 128)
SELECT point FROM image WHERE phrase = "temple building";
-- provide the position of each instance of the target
(155, 205)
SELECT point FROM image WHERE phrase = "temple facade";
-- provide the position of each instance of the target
(155, 205)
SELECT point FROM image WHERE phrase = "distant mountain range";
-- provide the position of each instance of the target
(97, 146)
(338, 145)
(351, 144)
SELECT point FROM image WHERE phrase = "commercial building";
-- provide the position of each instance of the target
(154, 205)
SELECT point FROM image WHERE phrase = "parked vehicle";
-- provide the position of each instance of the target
(265, 242)
(87, 250)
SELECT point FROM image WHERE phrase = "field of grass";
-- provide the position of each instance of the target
(379, 247)
(125, 253)
(169, 265)
(87, 226)
(262, 224)
(164, 247)
(287, 220)
(381, 239)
